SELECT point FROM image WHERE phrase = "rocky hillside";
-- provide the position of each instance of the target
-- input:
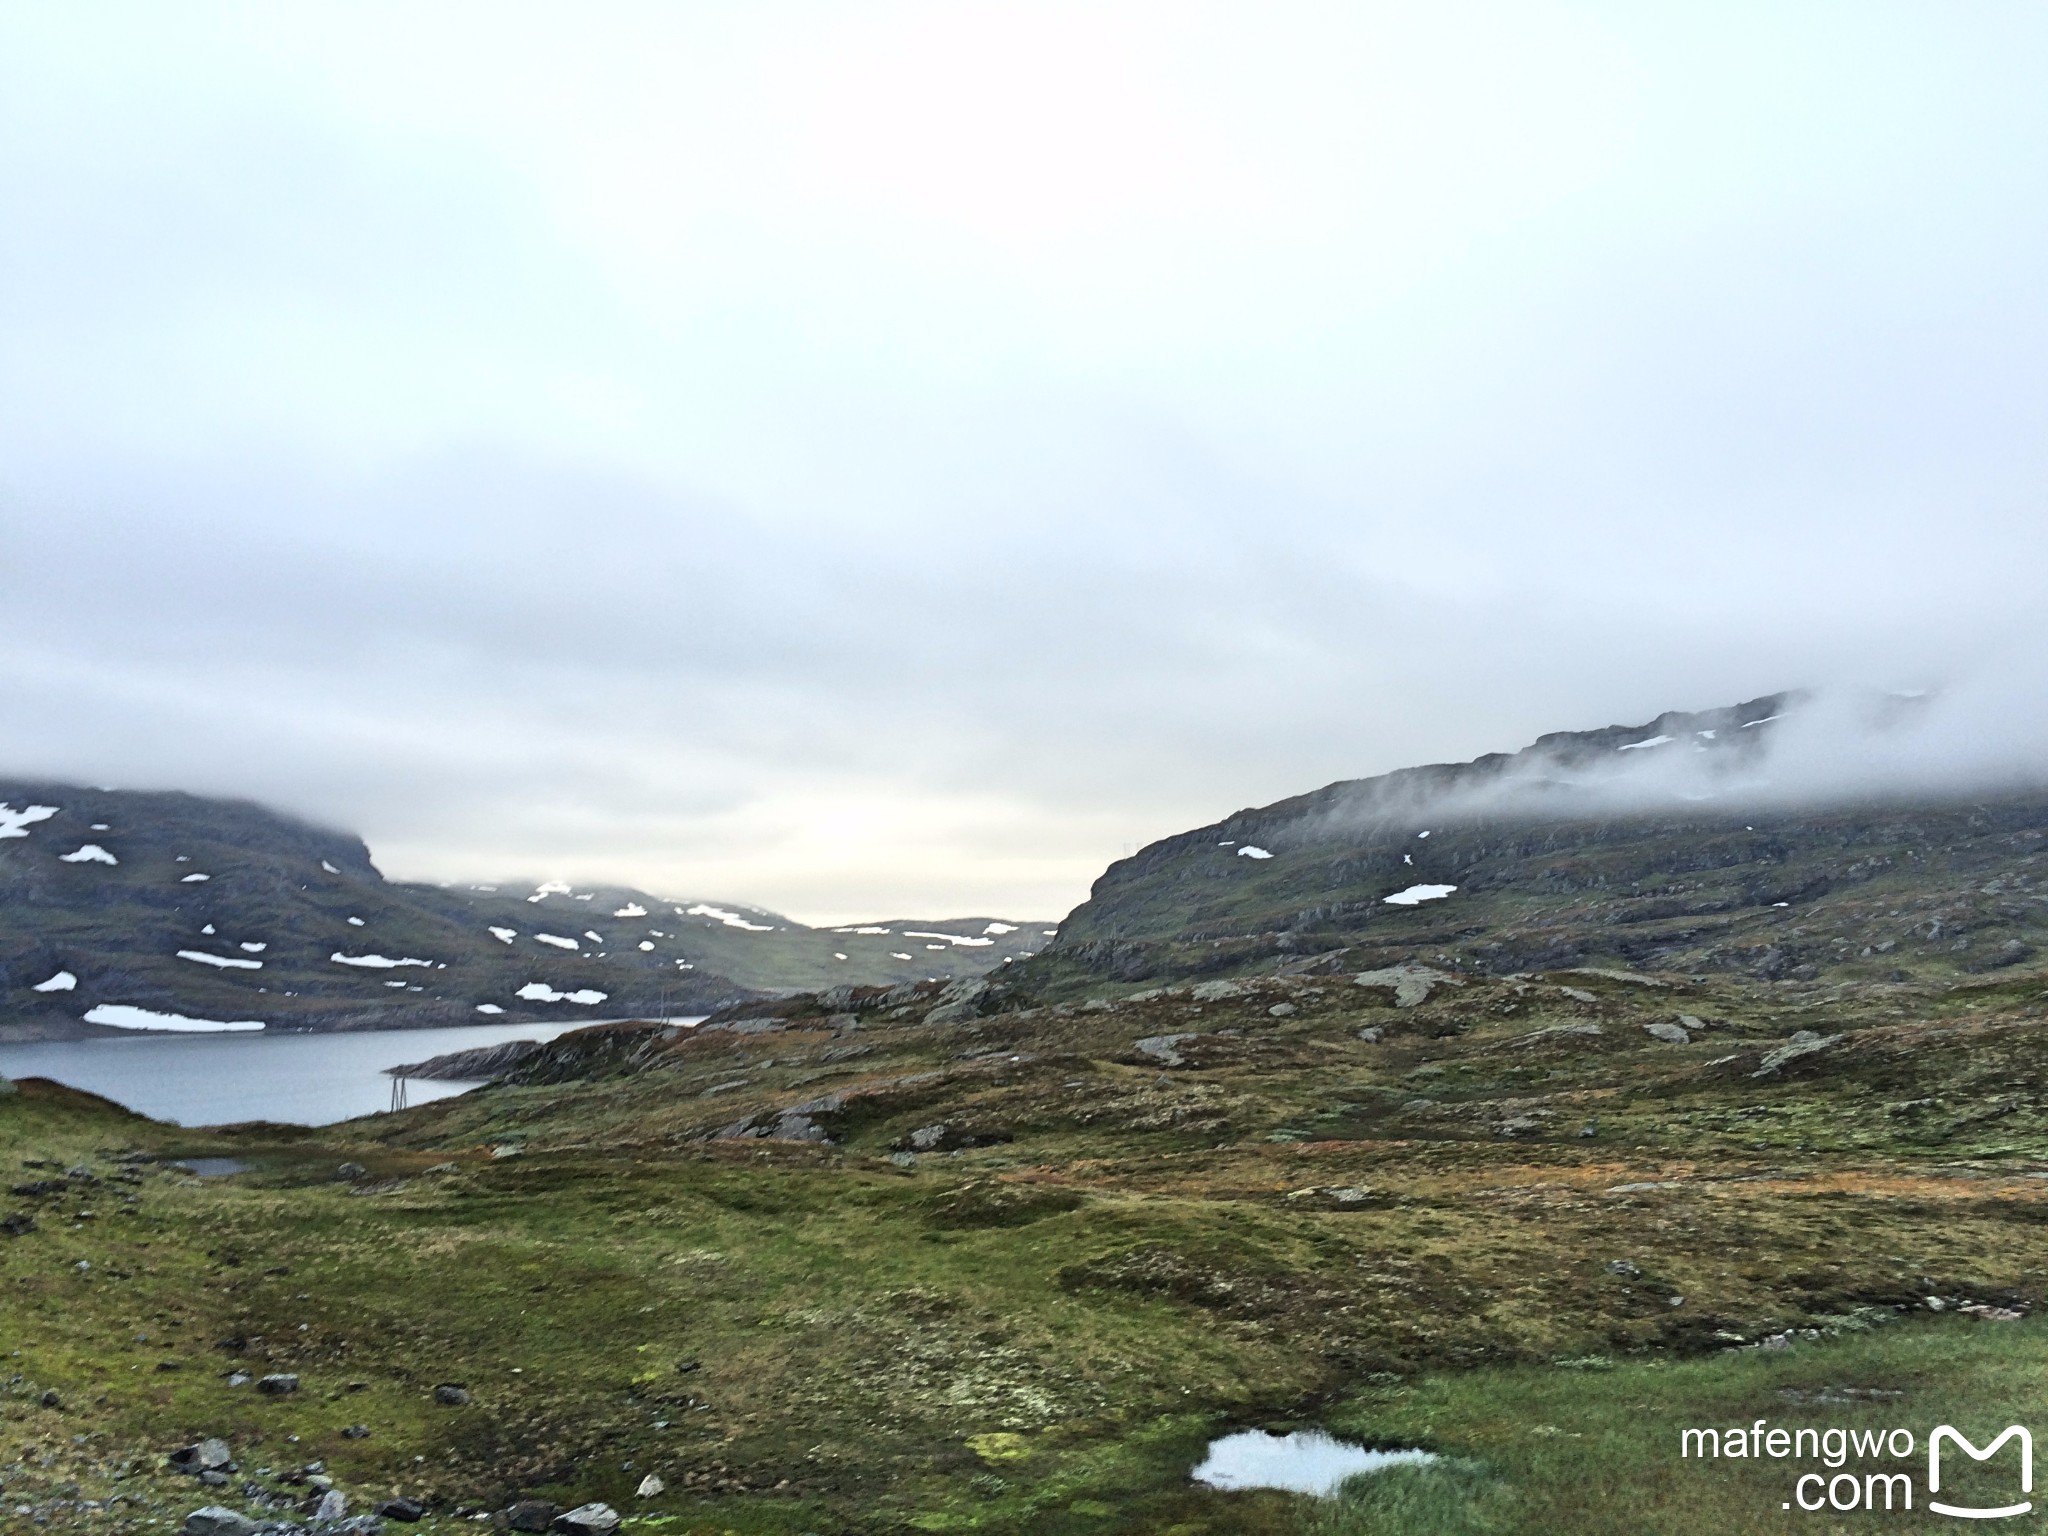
(1655, 847)
(123, 910)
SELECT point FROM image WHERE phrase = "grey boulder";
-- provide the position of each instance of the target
(588, 1520)
(213, 1520)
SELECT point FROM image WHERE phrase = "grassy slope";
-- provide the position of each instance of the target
(1038, 1334)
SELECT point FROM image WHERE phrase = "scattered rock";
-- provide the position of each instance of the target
(1578, 994)
(356, 1432)
(1990, 1313)
(1163, 1049)
(799, 1122)
(529, 1515)
(1217, 991)
(588, 1520)
(348, 1173)
(1280, 1010)
(52, 1400)
(651, 1487)
(333, 1505)
(408, 1510)
(209, 1455)
(213, 1520)
(1636, 978)
(1372, 1036)
(1339, 1197)
(1669, 1033)
(451, 1395)
(1804, 1043)
(959, 1002)
(15, 1223)
(1411, 984)
(279, 1385)
(1625, 1269)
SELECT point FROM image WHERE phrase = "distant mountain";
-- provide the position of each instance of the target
(1677, 845)
(123, 909)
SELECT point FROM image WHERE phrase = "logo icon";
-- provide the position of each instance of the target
(1969, 1512)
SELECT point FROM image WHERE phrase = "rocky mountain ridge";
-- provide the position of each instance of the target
(1587, 848)
(123, 909)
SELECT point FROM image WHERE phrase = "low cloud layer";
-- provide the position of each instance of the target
(894, 461)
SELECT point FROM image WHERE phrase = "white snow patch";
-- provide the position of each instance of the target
(837, 956)
(355, 922)
(646, 944)
(1407, 858)
(504, 935)
(1767, 719)
(1000, 928)
(541, 992)
(374, 962)
(394, 983)
(950, 938)
(63, 981)
(488, 1008)
(1654, 741)
(329, 867)
(730, 919)
(587, 896)
(252, 949)
(1422, 834)
(1050, 933)
(123, 1016)
(557, 940)
(15, 823)
(1415, 895)
(893, 955)
(631, 909)
(867, 928)
(548, 888)
(100, 826)
(225, 962)
(1250, 852)
(190, 879)
(1708, 734)
(595, 938)
(207, 929)
(89, 853)
(935, 946)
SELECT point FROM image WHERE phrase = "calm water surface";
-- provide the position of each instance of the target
(1307, 1461)
(295, 1079)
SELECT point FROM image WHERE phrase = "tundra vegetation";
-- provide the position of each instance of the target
(965, 1259)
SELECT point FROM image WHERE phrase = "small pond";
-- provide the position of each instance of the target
(1306, 1461)
(211, 1167)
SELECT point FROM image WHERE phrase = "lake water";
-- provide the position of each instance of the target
(1307, 1461)
(296, 1079)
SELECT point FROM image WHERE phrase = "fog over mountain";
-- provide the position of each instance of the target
(900, 458)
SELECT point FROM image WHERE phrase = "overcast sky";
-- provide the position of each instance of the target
(870, 459)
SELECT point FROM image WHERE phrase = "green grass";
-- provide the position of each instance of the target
(1041, 1334)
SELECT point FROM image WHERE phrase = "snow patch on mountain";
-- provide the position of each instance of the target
(15, 823)
(225, 962)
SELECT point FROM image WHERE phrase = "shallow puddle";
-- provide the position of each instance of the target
(1307, 1461)
(211, 1167)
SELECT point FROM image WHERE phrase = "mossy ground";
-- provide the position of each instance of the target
(1395, 1237)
